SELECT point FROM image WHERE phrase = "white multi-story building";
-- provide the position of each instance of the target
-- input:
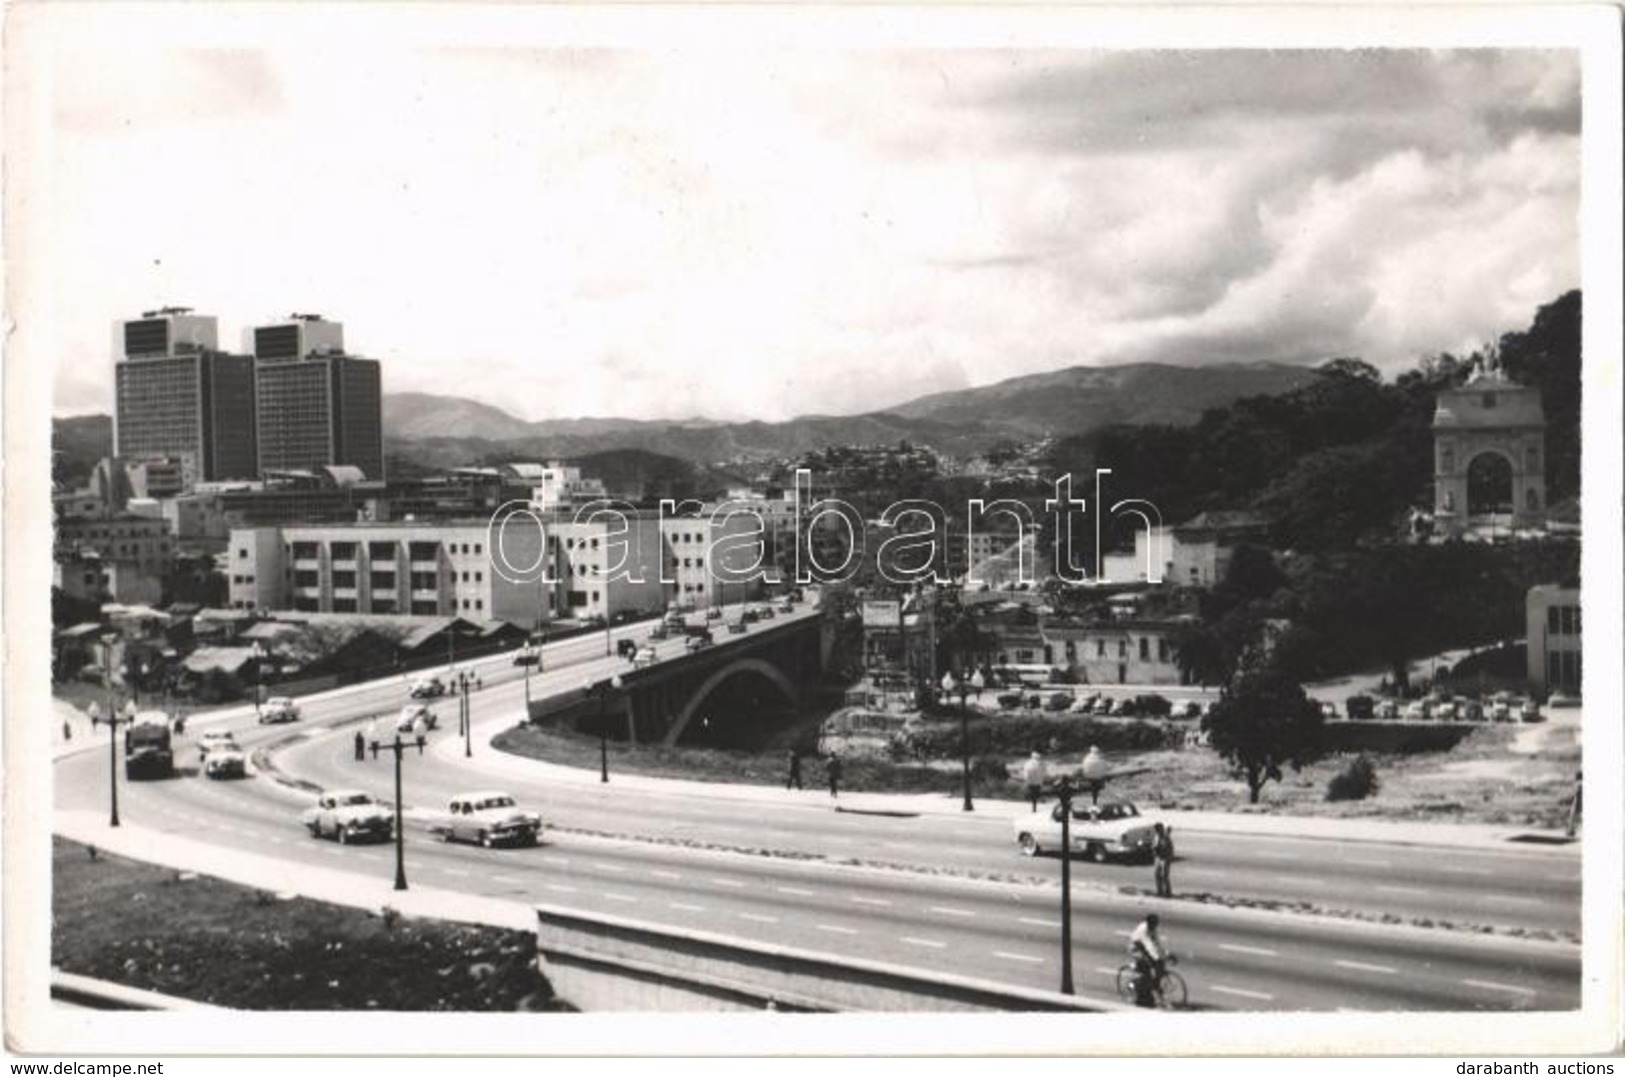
(558, 487)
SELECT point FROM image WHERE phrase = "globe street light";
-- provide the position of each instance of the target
(600, 691)
(951, 686)
(1095, 769)
(1064, 791)
(420, 730)
(467, 681)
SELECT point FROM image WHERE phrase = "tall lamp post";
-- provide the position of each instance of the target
(952, 686)
(466, 682)
(529, 655)
(420, 730)
(1064, 792)
(114, 719)
(259, 682)
(600, 691)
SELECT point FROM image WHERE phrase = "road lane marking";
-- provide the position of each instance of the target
(759, 918)
(620, 897)
(1403, 889)
(1106, 970)
(684, 907)
(616, 868)
(455, 871)
(1361, 966)
(933, 943)
(547, 859)
(1507, 899)
(796, 890)
(1368, 863)
(944, 910)
(507, 879)
(1018, 957)
(1274, 856)
(735, 883)
(1123, 934)
(561, 888)
(1243, 993)
(1296, 880)
(666, 874)
(1037, 922)
(836, 929)
(1237, 948)
(1492, 986)
(870, 901)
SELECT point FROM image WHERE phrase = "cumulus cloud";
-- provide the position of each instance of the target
(769, 233)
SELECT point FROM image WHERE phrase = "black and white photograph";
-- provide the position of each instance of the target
(727, 530)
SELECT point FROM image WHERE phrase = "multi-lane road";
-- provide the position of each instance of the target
(937, 892)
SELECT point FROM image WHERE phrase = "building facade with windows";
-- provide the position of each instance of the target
(316, 405)
(1552, 619)
(177, 396)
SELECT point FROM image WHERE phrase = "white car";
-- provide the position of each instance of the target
(279, 709)
(646, 656)
(225, 760)
(215, 739)
(489, 818)
(1115, 829)
(411, 713)
(1416, 711)
(347, 815)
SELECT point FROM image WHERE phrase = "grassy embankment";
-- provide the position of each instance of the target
(204, 939)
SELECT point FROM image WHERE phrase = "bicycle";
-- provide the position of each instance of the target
(1168, 993)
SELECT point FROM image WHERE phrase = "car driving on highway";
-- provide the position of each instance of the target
(427, 688)
(1113, 830)
(347, 815)
(411, 713)
(488, 819)
(225, 760)
(215, 738)
(279, 709)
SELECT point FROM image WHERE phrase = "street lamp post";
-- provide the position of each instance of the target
(952, 686)
(600, 690)
(467, 682)
(1064, 791)
(419, 731)
(259, 681)
(113, 720)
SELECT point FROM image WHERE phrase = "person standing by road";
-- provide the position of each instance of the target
(1574, 806)
(360, 746)
(832, 770)
(794, 780)
(1034, 773)
(1162, 859)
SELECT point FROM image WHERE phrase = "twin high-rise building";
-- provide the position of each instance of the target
(296, 402)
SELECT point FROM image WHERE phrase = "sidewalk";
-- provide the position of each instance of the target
(499, 764)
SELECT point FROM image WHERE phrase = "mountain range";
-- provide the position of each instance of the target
(426, 431)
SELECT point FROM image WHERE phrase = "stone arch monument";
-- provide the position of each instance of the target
(1489, 454)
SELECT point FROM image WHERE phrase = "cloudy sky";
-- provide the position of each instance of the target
(764, 233)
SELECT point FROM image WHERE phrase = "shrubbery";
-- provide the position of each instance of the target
(1356, 781)
(1016, 734)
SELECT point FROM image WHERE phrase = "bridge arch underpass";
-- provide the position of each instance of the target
(744, 667)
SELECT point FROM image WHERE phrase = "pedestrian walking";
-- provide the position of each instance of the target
(1035, 773)
(794, 780)
(1574, 806)
(832, 770)
(360, 746)
(1162, 859)
(67, 730)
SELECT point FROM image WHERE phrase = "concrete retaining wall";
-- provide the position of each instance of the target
(603, 963)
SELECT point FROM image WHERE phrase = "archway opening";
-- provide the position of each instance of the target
(1489, 485)
(747, 710)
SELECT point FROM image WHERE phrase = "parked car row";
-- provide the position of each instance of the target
(1500, 707)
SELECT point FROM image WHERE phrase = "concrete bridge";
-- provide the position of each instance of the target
(657, 703)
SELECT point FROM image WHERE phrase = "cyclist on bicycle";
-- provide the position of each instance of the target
(1150, 956)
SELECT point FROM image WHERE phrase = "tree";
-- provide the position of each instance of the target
(1263, 723)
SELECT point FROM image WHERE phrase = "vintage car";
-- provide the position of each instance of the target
(646, 656)
(224, 760)
(347, 815)
(427, 688)
(279, 709)
(626, 648)
(1113, 830)
(488, 819)
(697, 641)
(411, 713)
(214, 739)
(736, 627)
